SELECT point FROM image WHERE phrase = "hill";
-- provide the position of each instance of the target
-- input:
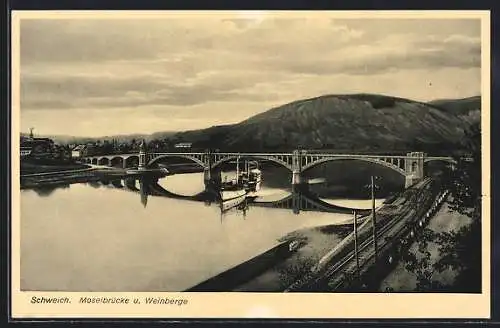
(348, 123)
(458, 106)
(466, 109)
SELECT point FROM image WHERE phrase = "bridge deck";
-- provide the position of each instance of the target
(262, 154)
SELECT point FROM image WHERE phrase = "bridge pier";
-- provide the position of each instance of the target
(296, 167)
(414, 168)
(409, 181)
(207, 176)
(296, 178)
(296, 198)
(296, 202)
(142, 156)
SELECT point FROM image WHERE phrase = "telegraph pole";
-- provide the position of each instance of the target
(237, 169)
(356, 242)
(374, 219)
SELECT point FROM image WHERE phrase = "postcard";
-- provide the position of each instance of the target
(250, 164)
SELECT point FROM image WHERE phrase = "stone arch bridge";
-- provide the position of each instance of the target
(411, 165)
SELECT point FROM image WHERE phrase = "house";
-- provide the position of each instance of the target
(79, 151)
(183, 145)
(25, 151)
(37, 147)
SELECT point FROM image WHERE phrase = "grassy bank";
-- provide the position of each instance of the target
(33, 166)
(62, 178)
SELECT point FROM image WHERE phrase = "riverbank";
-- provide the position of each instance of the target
(64, 174)
(278, 267)
(315, 242)
(243, 272)
(46, 166)
(401, 280)
(54, 179)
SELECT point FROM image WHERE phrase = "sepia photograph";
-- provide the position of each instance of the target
(250, 152)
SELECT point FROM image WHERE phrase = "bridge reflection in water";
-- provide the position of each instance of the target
(299, 199)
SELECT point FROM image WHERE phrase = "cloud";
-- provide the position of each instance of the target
(90, 40)
(65, 92)
(253, 59)
(83, 41)
(396, 52)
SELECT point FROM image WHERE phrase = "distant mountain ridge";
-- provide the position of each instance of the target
(459, 106)
(66, 139)
(467, 109)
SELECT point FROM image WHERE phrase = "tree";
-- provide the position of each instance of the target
(420, 263)
(465, 181)
(459, 250)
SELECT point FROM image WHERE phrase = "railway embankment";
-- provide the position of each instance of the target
(336, 270)
(399, 279)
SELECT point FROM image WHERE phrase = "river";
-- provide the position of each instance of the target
(91, 237)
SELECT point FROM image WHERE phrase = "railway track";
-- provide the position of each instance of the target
(412, 208)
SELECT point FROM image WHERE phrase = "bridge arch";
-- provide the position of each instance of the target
(104, 182)
(131, 161)
(117, 183)
(243, 157)
(103, 161)
(117, 161)
(365, 159)
(430, 164)
(191, 158)
(440, 159)
(94, 161)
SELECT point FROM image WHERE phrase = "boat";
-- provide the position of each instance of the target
(251, 178)
(254, 180)
(232, 198)
(233, 193)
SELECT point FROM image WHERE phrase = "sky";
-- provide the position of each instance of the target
(96, 77)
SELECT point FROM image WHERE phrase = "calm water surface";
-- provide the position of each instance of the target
(100, 238)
